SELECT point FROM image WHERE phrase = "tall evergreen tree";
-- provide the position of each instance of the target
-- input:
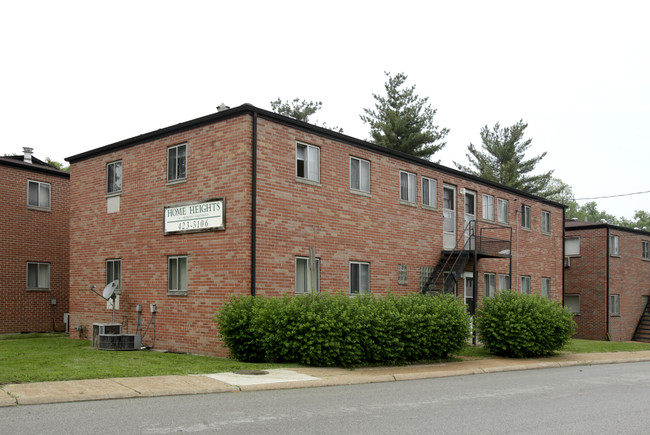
(403, 121)
(503, 160)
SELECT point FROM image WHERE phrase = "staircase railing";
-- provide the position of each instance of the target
(643, 315)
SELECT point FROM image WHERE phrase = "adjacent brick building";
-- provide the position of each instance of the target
(34, 221)
(607, 278)
(231, 203)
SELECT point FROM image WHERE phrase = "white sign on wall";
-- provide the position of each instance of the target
(200, 216)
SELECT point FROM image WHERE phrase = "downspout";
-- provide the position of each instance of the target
(254, 208)
(563, 252)
(607, 288)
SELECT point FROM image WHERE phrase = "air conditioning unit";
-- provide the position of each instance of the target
(104, 328)
(120, 342)
(567, 261)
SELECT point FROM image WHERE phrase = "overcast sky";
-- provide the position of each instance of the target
(77, 75)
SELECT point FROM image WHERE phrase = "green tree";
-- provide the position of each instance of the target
(403, 121)
(300, 110)
(559, 191)
(590, 213)
(57, 165)
(641, 219)
(503, 159)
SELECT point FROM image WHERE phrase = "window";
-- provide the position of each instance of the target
(402, 274)
(546, 222)
(38, 276)
(38, 194)
(525, 285)
(546, 288)
(425, 273)
(177, 274)
(114, 177)
(613, 246)
(645, 250)
(504, 282)
(308, 162)
(490, 284)
(359, 174)
(177, 162)
(572, 247)
(114, 272)
(572, 302)
(488, 207)
(525, 216)
(303, 275)
(429, 192)
(615, 305)
(502, 211)
(359, 278)
(406, 186)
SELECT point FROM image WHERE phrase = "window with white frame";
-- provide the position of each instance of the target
(38, 194)
(407, 186)
(546, 288)
(114, 177)
(546, 222)
(504, 282)
(615, 305)
(525, 285)
(114, 272)
(177, 162)
(614, 246)
(572, 247)
(402, 274)
(177, 278)
(308, 162)
(525, 216)
(359, 278)
(359, 174)
(645, 250)
(572, 302)
(502, 211)
(429, 192)
(490, 284)
(488, 207)
(38, 276)
(303, 275)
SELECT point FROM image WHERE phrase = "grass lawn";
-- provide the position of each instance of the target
(55, 357)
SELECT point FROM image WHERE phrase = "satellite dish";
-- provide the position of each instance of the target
(110, 289)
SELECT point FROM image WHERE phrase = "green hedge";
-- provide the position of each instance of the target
(523, 326)
(337, 330)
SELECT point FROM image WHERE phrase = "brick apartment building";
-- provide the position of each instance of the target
(34, 221)
(607, 279)
(231, 203)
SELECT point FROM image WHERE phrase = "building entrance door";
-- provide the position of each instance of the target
(448, 217)
(470, 219)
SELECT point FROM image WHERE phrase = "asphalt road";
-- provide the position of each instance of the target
(600, 399)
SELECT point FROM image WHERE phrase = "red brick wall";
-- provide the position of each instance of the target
(31, 235)
(629, 277)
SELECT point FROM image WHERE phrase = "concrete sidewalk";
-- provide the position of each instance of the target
(302, 377)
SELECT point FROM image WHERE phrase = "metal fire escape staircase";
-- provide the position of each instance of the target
(642, 332)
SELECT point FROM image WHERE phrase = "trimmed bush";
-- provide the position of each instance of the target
(337, 330)
(523, 326)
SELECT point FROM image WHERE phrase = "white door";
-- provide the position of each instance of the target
(448, 217)
(470, 215)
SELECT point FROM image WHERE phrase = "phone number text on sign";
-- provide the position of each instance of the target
(203, 216)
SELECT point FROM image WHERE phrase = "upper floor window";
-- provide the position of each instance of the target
(614, 246)
(488, 207)
(177, 162)
(177, 274)
(525, 216)
(502, 211)
(359, 174)
(429, 192)
(114, 177)
(308, 162)
(38, 194)
(525, 285)
(114, 272)
(359, 278)
(546, 222)
(38, 276)
(572, 246)
(546, 288)
(645, 250)
(303, 275)
(407, 186)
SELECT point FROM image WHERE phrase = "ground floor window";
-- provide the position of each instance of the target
(177, 277)
(38, 276)
(572, 302)
(615, 305)
(402, 274)
(114, 272)
(504, 282)
(525, 285)
(490, 284)
(425, 272)
(359, 278)
(546, 288)
(303, 275)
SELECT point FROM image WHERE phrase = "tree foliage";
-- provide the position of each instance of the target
(503, 159)
(57, 165)
(403, 121)
(300, 110)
